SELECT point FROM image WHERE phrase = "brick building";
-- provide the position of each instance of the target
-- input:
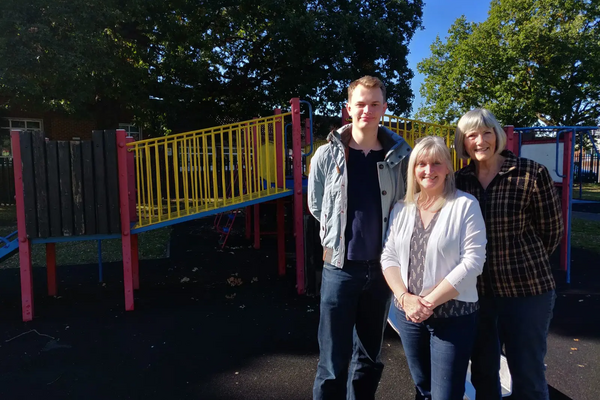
(56, 126)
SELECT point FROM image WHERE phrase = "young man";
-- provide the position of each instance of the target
(354, 181)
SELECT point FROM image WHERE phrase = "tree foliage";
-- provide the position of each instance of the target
(166, 60)
(530, 61)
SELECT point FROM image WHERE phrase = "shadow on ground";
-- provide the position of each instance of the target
(213, 324)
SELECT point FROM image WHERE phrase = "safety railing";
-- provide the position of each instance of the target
(203, 170)
(412, 130)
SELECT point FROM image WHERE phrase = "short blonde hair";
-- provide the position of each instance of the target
(370, 82)
(430, 148)
(475, 119)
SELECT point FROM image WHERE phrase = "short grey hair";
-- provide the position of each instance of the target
(475, 119)
(431, 148)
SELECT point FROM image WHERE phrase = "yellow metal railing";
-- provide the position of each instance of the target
(411, 131)
(203, 170)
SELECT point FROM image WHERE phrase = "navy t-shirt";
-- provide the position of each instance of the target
(363, 227)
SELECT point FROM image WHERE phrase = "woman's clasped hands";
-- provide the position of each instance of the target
(416, 308)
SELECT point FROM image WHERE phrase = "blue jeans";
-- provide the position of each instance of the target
(354, 306)
(437, 351)
(521, 325)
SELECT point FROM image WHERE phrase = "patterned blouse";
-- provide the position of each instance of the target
(416, 269)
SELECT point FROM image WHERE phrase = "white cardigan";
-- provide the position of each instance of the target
(456, 247)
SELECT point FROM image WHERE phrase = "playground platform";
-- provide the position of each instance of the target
(203, 338)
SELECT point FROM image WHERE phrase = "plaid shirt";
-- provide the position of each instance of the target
(524, 226)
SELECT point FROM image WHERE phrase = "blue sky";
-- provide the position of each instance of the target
(438, 16)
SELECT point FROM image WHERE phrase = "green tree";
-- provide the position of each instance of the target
(531, 61)
(202, 61)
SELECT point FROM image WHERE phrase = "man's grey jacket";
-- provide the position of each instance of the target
(328, 182)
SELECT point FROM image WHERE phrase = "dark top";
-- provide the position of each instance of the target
(522, 214)
(363, 226)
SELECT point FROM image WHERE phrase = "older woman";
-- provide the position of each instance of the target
(516, 290)
(434, 251)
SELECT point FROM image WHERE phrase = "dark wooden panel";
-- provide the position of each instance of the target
(100, 182)
(112, 180)
(7, 181)
(28, 184)
(53, 189)
(66, 198)
(89, 202)
(77, 188)
(41, 184)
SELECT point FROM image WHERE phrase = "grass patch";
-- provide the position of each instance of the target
(590, 191)
(585, 234)
(151, 244)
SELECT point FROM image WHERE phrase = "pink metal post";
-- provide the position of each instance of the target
(51, 268)
(298, 199)
(125, 218)
(280, 184)
(279, 150)
(24, 243)
(566, 194)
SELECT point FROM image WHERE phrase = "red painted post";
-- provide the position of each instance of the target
(280, 184)
(280, 162)
(512, 139)
(24, 243)
(280, 237)
(125, 218)
(51, 268)
(298, 198)
(135, 263)
(257, 178)
(345, 116)
(131, 182)
(565, 198)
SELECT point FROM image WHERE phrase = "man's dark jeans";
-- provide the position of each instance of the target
(354, 306)
(437, 351)
(521, 325)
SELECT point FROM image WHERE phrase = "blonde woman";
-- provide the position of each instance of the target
(434, 251)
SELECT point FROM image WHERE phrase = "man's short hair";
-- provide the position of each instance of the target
(369, 82)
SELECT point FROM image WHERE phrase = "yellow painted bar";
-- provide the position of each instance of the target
(205, 171)
(239, 155)
(185, 174)
(176, 174)
(149, 182)
(158, 184)
(214, 170)
(231, 181)
(139, 179)
(223, 168)
(167, 179)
